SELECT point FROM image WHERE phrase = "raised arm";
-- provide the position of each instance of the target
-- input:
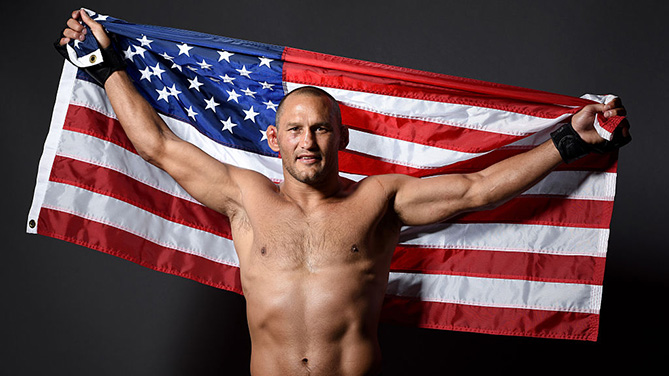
(430, 200)
(215, 184)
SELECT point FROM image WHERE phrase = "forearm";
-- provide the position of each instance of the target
(145, 129)
(512, 176)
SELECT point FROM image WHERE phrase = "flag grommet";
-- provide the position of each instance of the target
(92, 59)
(32, 223)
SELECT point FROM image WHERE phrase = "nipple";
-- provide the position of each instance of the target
(263, 251)
(354, 248)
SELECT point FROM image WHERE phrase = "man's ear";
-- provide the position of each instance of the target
(343, 137)
(272, 138)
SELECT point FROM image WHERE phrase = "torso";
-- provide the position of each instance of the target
(314, 280)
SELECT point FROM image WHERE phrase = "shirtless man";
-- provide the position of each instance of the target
(315, 251)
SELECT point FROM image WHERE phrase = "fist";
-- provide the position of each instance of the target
(76, 30)
(583, 121)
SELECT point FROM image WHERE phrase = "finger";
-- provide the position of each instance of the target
(64, 41)
(615, 112)
(71, 34)
(96, 28)
(75, 14)
(75, 25)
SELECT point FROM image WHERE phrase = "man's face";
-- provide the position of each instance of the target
(308, 138)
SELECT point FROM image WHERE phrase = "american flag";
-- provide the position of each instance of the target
(532, 267)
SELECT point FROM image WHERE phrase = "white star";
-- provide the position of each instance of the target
(139, 51)
(250, 114)
(166, 56)
(128, 54)
(264, 135)
(191, 68)
(146, 74)
(176, 66)
(174, 91)
(100, 18)
(227, 79)
(76, 43)
(157, 71)
(191, 113)
(204, 65)
(228, 124)
(224, 55)
(249, 92)
(145, 41)
(184, 48)
(163, 94)
(211, 104)
(232, 95)
(265, 61)
(195, 84)
(266, 85)
(270, 105)
(244, 72)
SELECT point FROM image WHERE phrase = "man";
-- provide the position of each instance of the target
(315, 251)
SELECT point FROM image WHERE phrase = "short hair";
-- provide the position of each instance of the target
(315, 92)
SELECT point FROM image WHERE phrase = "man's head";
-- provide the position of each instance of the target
(308, 135)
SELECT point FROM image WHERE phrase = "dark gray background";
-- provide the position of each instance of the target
(68, 310)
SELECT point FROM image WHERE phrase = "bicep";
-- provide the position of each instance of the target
(211, 182)
(421, 201)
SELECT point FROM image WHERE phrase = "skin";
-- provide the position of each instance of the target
(314, 272)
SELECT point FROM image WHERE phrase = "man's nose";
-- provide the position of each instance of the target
(308, 140)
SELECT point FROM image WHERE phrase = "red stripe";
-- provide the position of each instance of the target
(423, 132)
(546, 210)
(491, 320)
(499, 264)
(362, 164)
(122, 187)
(84, 120)
(122, 244)
(306, 67)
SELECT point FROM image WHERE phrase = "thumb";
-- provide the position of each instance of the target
(97, 29)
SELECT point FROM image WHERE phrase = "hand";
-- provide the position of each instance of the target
(583, 121)
(75, 30)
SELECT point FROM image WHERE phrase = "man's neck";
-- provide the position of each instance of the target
(310, 195)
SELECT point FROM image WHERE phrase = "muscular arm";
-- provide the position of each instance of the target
(430, 200)
(211, 182)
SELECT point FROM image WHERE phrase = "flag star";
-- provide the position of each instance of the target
(204, 65)
(265, 61)
(128, 54)
(195, 84)
(100, 18)
(191, 68)
(145, 41)
(224, 55)
(232, 95)
(191, 113)
(211, 104)
(227, 79)
(176, 66)
(139, 51)
(228, 125)
(184, 48)
(249, 92)
(166, 56)
(270, 105)
(157, 71)
(174, 91)
(146, 74)
(264, 135)
(76, 43)
(266, 85)
(244, 72)
(250, 114)
(163, 94)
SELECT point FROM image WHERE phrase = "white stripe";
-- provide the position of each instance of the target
(51, 144)
(404, 153)
(588, 185)
(492, 292)
(457, 115)
(129, 218)
(572, 241)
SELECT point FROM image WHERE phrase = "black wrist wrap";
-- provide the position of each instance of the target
(570, 145)
(111, 63)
